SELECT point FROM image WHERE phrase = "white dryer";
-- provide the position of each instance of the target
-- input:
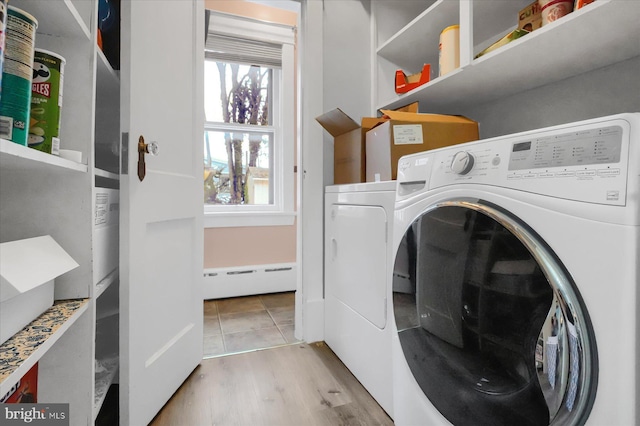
(523, 252)
(358, 226)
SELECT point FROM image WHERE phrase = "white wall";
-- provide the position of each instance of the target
(605, 91)
(347, 65)
(340, 77)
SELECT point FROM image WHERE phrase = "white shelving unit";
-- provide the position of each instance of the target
(600, 34)
(42, 194)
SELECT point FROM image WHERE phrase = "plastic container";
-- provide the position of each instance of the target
(16, 75)
(449, 55)
(46, 101)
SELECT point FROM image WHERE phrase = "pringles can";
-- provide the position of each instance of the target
(449, 49)
(46, 101)
(16, 75)
(3, 26)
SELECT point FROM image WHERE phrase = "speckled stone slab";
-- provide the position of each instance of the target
(15, 351)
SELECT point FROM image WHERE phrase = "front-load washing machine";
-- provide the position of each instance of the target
(358, 226)
(521, 254)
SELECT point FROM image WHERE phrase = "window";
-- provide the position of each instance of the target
(249, 122)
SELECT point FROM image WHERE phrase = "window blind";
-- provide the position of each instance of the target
(226, 48)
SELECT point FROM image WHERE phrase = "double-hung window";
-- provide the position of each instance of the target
(249, 122)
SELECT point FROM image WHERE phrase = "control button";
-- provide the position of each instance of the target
(546, 175)
(495, 160)
(529, 176)
(514, 176)
(462, 163)
(585, 173)
(566, 174)
(609, 172)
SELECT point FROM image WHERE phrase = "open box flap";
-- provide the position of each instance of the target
(336, 122)
(29, 263)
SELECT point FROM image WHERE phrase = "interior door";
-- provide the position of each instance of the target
(161, 235)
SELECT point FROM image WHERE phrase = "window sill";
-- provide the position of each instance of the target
(243, 219)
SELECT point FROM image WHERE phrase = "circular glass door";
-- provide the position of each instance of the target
(490, 323)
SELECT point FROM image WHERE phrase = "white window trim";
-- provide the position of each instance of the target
(282, 212)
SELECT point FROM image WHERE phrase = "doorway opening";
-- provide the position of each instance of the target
(242, 324)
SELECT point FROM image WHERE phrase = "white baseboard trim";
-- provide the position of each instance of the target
(249, 280)
(313, 320)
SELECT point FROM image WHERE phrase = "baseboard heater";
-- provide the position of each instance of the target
(249, 280)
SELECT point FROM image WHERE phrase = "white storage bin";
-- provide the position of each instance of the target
(27, 272)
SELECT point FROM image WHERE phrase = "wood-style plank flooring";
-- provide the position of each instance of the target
(299, 384)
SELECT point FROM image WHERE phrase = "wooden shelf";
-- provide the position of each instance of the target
(14, 156)
(104, 283)
(60, 18)
(106, 369)
(107, 175)
(567, 47)
(410, 46)
(25, 348)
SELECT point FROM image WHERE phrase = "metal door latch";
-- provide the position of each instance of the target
(143, 148)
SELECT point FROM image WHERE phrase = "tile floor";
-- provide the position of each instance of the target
(247, 323)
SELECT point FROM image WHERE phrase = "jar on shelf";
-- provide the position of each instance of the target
(553, 10)
(449, 49)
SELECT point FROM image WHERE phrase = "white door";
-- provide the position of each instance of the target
(161, 219)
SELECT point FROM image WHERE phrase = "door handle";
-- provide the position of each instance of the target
(144, 148)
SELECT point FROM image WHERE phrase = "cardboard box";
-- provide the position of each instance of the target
(407, 133)
(27, 274)
(349, 157)
(530, 18)
(25, 391)
(348, 145)
(106, 232)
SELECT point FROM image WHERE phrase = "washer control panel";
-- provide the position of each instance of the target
(582, 148)
(583, 162)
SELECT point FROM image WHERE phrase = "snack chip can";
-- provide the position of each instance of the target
(3, 25)
(46, 101)
(16, 75)
(449, 49)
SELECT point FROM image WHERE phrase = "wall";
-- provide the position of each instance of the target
(605, 91)
(347, 65)
(227, 247)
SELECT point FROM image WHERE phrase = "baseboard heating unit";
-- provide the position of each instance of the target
(249, 280)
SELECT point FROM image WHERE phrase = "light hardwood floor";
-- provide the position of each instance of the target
(299, 384)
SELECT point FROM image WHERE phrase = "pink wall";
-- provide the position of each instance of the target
(230, 247)
(253, 10)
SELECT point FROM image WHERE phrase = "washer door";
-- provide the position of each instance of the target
(490, 322)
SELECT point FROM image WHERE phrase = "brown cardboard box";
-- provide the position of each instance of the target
(531, 14)
(348, 144)
(407, 133)
(349, 158)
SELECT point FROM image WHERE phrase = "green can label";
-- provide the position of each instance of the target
(3, 24)
(16, 75)
(46, 102)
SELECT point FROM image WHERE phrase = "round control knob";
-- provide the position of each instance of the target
(462, 163)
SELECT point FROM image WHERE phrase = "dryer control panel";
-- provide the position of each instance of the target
(585, 161)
